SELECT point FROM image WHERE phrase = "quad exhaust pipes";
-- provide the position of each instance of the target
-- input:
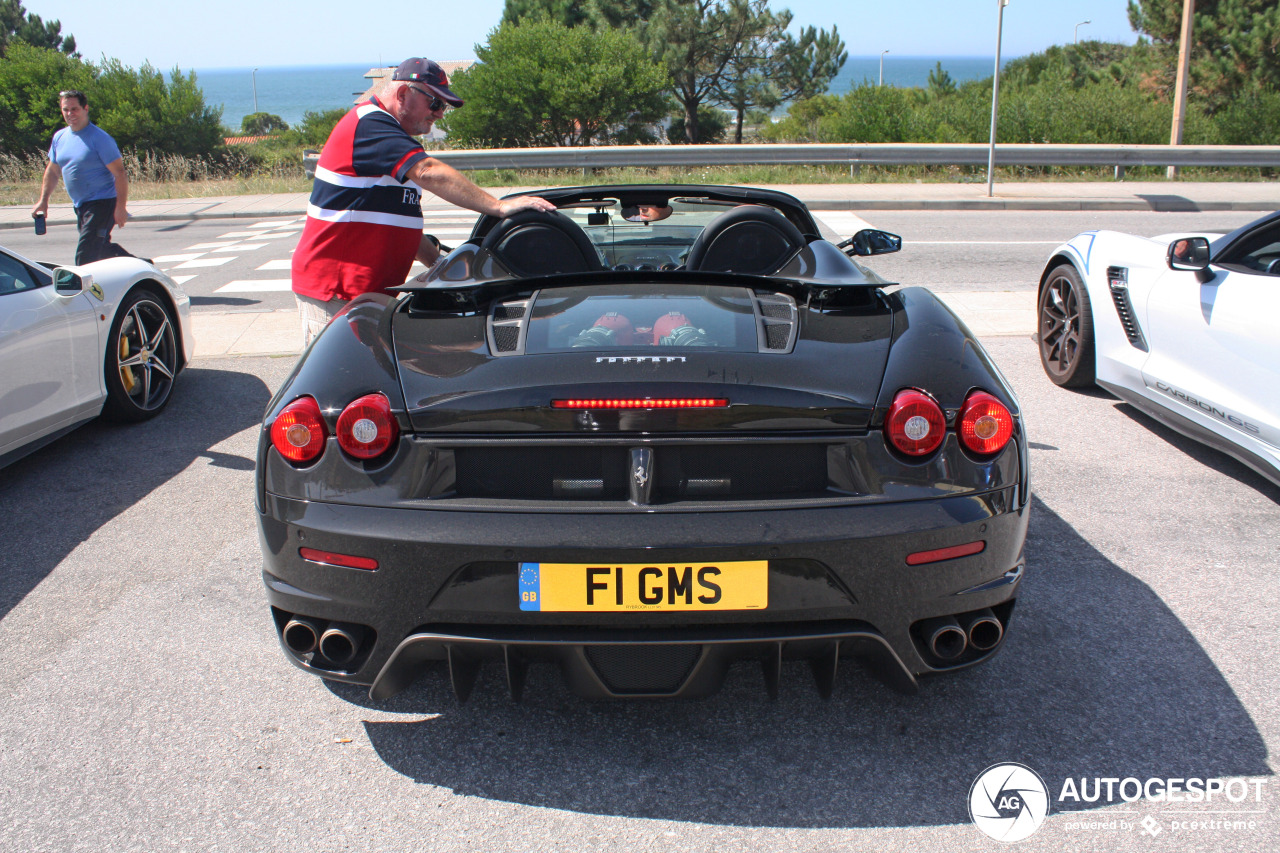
(337, 642)
(944, 637)
(301, 635)
(983, 629)
(947, 637)
(340, 642)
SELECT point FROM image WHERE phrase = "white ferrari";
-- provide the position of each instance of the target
(1185, 327)
(106, 338)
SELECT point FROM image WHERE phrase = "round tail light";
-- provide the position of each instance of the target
(985, 424)
(915, 424)
(366, 427)
(298, 433)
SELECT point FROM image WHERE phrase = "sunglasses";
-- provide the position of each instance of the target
(437, 103)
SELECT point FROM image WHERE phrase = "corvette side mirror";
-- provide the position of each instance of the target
(1191, 254)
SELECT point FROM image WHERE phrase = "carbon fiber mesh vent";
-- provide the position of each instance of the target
(643, 669)
(777, 335)
(776, 310)
(509, 311)
(506, 338)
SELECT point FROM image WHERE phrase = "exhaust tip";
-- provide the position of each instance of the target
(301, 635)
(984, 630)
(945, 638)
(340, 643)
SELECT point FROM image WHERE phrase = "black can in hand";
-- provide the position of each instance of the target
(39, 218)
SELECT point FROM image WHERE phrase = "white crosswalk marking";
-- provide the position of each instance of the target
(273, 224)
(255, 286)
(241, 247)
(182, 279)
(283, 264)
(238, 234)
(207, 246)
(173, 259)
(204, 262)
(275, 236)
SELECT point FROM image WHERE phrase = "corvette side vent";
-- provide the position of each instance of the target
(508, 322)
(1118, 279)
(776, 322)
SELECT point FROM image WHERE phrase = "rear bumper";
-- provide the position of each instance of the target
(446, 590)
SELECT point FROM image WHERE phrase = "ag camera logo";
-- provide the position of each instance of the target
(1008, 802)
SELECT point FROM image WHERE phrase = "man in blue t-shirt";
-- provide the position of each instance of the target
(87, 159)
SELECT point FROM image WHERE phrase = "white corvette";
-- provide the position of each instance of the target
(105, 338)
(1185, 327)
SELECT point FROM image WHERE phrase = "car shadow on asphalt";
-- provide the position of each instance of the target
(1098, 678)
(1209, 457)
(56, 498)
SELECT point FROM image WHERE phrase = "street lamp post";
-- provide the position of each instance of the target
(882, 53)
(1078, 26)
(254, 77)
(995, 97)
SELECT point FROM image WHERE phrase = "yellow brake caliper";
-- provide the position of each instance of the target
(126, 373)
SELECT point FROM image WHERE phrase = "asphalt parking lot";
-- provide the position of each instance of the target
(145, 705)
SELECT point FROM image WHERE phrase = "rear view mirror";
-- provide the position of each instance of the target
(67, 282)
(869, 241)
(1189, 253)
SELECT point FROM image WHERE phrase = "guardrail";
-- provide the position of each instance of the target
(857, 155)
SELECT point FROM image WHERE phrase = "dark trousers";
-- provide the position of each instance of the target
(95, 220)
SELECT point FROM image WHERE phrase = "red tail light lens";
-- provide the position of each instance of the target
(915, 425)
(366, 427)
(298, 432)
(985, 424)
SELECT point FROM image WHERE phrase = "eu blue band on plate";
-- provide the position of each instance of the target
(530, 587)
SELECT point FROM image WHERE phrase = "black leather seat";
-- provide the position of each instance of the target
(532, 243)
(749, 238)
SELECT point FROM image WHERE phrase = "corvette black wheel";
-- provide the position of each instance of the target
(141, 358)
(1066, 329)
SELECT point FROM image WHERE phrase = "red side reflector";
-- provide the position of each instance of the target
(346, 561)
(647, 403)
(941, 554)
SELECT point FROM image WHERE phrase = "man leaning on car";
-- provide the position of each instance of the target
(364, 220)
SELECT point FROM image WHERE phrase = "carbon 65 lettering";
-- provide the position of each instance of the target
(1207, 408)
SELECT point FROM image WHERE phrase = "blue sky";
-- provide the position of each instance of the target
(244, 33)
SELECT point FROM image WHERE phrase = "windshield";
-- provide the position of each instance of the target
(644, 237)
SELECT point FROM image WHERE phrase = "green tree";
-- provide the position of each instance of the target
(314, 129)
(1235, 44)
(30, 79)
(17, 24)
(712, 124)
(571, 13)
(262, 124)
(540, 83)
(940, 83)
(142, 111)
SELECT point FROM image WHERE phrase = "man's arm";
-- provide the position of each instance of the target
(52, 173)
(122, 191)
(454, 187)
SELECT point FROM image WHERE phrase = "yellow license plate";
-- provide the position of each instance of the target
(592, 587)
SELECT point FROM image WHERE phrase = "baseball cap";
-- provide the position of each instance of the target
(429, 74)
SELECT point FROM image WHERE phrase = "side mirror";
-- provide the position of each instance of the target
(69, 283)
(869, 241)
(1189, 254)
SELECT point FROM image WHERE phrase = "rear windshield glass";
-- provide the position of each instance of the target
(645, 237)
(642, 317)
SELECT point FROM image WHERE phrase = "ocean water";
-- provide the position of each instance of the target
(290, 91)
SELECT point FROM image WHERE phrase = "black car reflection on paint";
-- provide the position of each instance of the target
(644, 449)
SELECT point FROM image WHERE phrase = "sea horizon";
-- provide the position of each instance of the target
(290, 91)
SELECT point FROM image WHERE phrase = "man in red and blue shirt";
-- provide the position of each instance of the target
(364, 220)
